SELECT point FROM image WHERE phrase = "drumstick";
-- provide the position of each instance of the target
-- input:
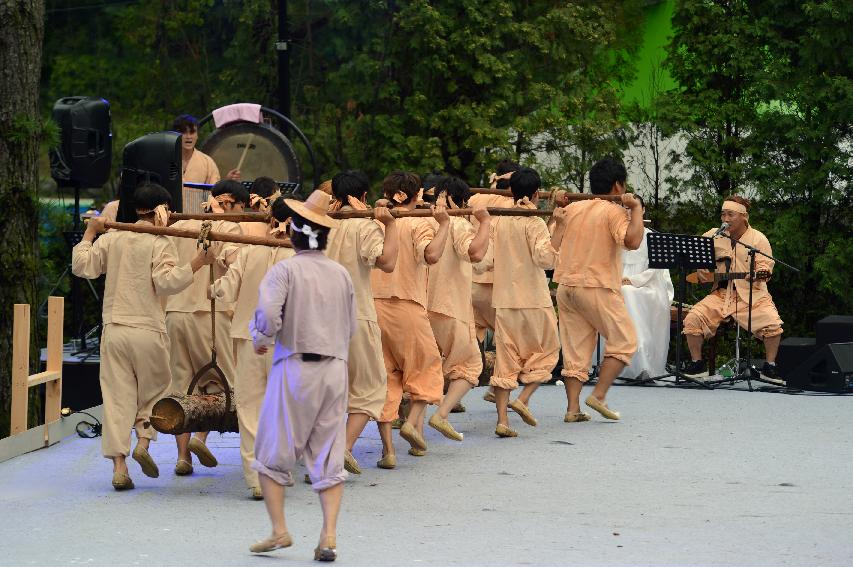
(246, 149)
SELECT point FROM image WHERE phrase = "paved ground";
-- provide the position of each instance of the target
(688, 477)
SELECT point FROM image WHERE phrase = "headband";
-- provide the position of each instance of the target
(161, 214)
(734, 206)
(263, 204)
(494, 178)
(214, 204)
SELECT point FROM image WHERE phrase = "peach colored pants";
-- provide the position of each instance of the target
(134, 376)
(250, 385)
(526, 346)
(585, 311)
(484, 313)
(189, 335)
(412, 360)
(368, 381)
(704, 318)
(457, 343)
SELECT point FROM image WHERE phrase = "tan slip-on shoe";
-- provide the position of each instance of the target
(122, 481)
(351, 464)
(200, 450)
(410, 434)
(504, 431)
(256, 493)
(416, 452)
(149, 467)
(272, 543)
(523, 411)
(489, 396)
(601, 408)
(443, 426)
(387, 462)
(183, 468)
(327, 550)
(578, 417)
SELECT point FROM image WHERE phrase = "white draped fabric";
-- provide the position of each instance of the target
(648, 299)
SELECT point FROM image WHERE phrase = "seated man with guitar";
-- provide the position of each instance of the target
(731, 291)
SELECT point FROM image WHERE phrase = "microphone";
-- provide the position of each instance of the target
(721, 230)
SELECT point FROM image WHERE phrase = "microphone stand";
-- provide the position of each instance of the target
(750, 372)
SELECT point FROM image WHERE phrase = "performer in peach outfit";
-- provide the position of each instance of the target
(526, 342)
(412, 360)
(188, 317)
(141, 269)
(449, 307)
(360, 245)
(239, 287)
(731, 299)
(590, 236)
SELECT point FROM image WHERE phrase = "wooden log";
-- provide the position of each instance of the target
(187, 233)
(232, 217)
(506, 192)
(181, 413)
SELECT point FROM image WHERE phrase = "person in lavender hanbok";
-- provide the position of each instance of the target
(306, 306)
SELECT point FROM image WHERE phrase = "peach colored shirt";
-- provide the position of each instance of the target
(523, 252)
(591, 250)
(194, 298)
(409, 278)
(140, 268)
(201, 169)
(255, 228)
(356, 244)
(740, 261)
(486, 276)
(240, 284)
(449, 282)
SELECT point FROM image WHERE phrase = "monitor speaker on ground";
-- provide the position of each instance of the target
(793, 351)
(85, 151)
(829, 369)
(153, 158)
(834, 329)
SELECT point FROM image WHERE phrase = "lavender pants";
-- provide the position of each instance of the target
(304, 415)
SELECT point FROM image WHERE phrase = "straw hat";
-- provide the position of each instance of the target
(314, 208)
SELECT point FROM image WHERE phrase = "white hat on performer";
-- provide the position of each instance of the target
(314, 208)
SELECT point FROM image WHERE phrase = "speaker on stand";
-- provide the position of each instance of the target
(83, 158)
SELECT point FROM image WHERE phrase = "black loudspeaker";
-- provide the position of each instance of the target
(793, 351)
(153, 158)
(834, 329)
(830, 369)
(85, 153)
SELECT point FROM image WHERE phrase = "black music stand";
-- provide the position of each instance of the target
(681, 251)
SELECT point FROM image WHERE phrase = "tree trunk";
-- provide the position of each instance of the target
(198, 412)
(20, 132)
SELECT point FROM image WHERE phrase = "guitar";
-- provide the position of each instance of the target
(760, 275)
